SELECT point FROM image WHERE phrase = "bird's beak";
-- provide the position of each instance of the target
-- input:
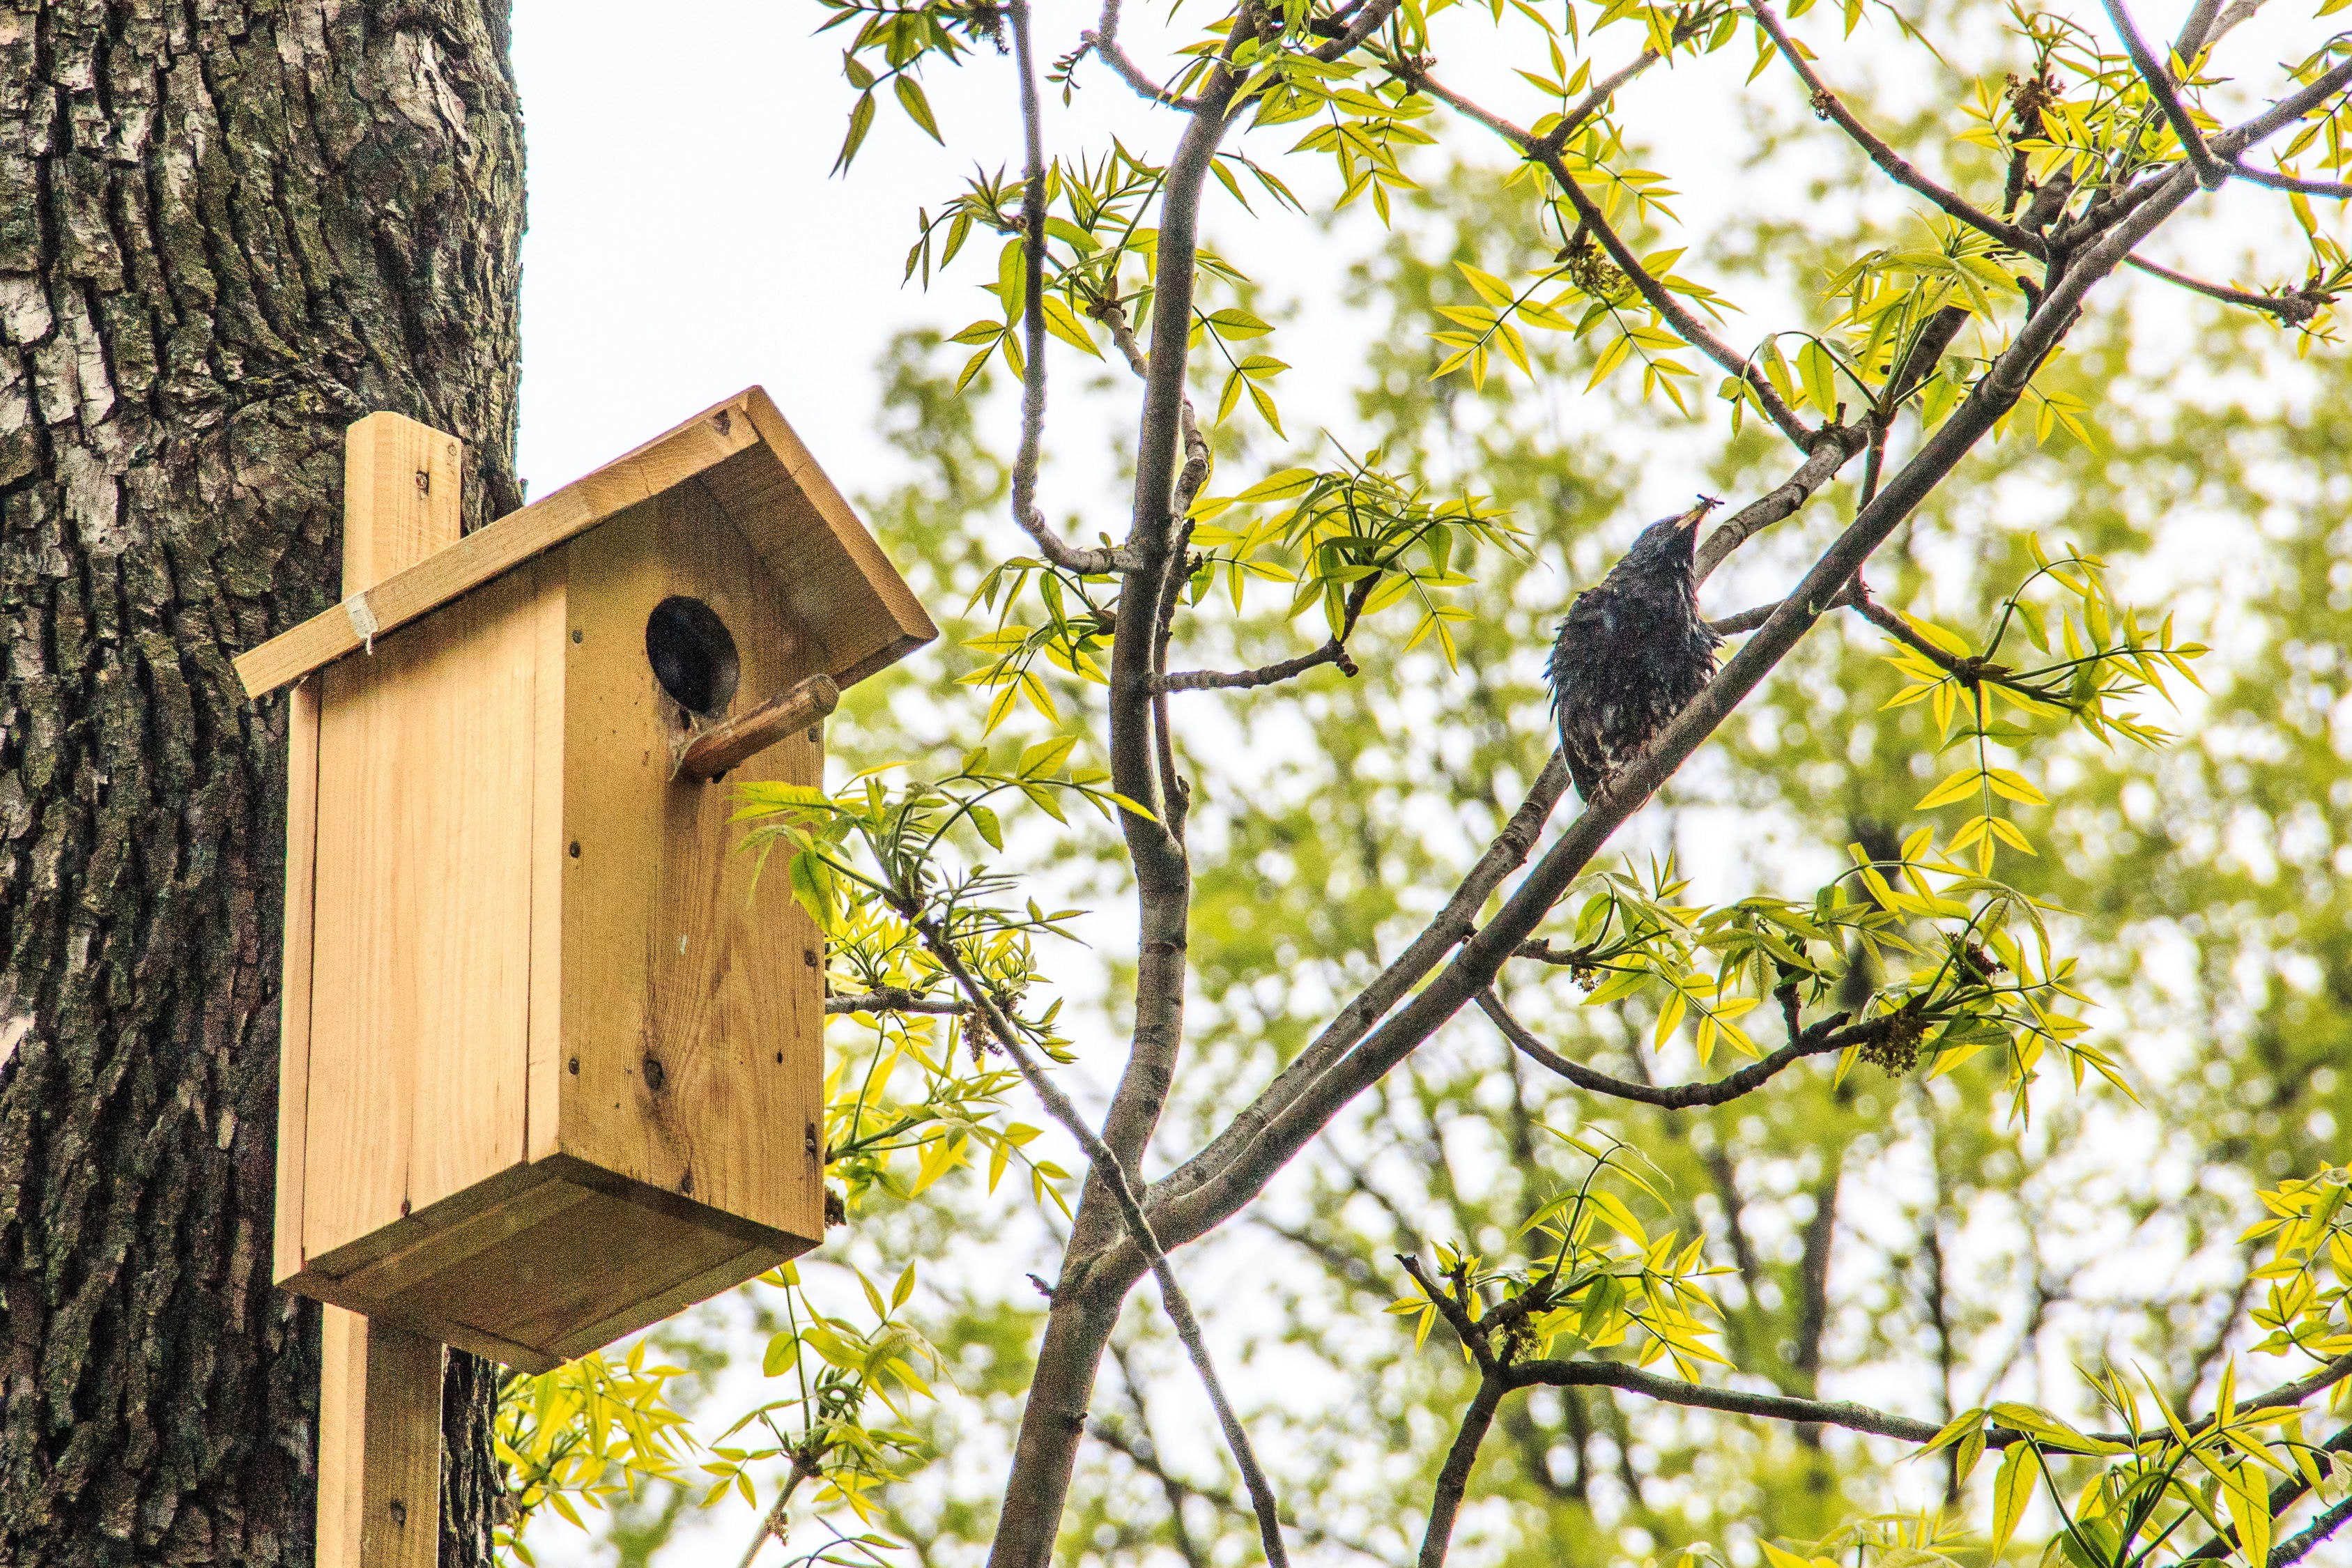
(1691, 518)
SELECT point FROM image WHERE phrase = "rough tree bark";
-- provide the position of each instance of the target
(227, 228)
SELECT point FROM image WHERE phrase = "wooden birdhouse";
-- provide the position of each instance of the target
(552, 1062)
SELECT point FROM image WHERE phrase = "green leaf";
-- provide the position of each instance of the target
(917, 107)
(2012, 1488)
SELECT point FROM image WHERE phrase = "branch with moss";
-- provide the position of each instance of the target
(2294, 307)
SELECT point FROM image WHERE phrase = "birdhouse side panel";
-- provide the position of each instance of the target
(422, 919)
(693, 994)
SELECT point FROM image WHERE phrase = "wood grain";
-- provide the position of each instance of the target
(401, 485)
(421, 991)
(379, 1444)
(840, 585)
(668, 459)
(726, 746)
(294, 1014)
(342, 1436)
(544, 1093)
(693, 1002)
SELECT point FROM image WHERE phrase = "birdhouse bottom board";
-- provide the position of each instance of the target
(553, 1067)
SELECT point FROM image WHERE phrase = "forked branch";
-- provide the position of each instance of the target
(1545, 149)
(2211, 172)
(1108, 1171)
(1892, 164)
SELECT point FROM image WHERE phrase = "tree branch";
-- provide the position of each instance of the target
(2282, 1497)
(893, 999)
(2330, 190)
(1455, 921)
(1453, 1479)
(1686, 326)
(1730, 1401)
(1892, 164)
(1837, 448)
(1749, 620)
(1090, 560)
(1104, 40)
(1332, 652)
(2210, 171)
(2293, 1549)
(1237, 1173)
(1817, 1040)
(1113, 1176)
(2294, 308)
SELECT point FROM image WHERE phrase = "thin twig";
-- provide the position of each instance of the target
(1892, 164)
(1332, 652)
(1731, 1401)
(1104, 40)
(894, 999)
(1608, 86)
(1108, 1171)
(1749, 620)
(1820, 1039)
(1092, 559)
(2210, 171)
(2330, 190)
(2294, 307)
(1653, 293)
(1148, 1460)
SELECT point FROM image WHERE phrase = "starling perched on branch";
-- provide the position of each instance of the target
(1631, 652)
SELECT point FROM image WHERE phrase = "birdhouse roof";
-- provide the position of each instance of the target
(838, 582)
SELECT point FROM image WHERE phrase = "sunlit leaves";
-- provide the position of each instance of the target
(2102, 656)
(1353, 540)
(1596, 1278)
(576, 1437)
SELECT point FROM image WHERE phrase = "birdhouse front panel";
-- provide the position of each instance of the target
(554, 1059)
(693, 1001)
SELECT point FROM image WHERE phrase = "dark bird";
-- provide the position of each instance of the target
(1631, 652)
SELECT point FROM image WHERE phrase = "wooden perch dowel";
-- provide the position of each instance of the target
(723, 746)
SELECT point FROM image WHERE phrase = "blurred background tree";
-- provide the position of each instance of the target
(1917, 1237)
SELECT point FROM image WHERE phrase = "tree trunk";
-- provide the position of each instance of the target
(227, 229)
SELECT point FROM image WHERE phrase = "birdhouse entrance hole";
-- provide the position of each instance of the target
(693, 656)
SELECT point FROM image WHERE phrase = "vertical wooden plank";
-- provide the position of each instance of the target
(294, 1019)
(379, 1446)
(400, 490)
(421, 1004)
(343, 1435)
(548, 853)
(400, 1491)
(695, 999)
(423, 842)
(380, 1387)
